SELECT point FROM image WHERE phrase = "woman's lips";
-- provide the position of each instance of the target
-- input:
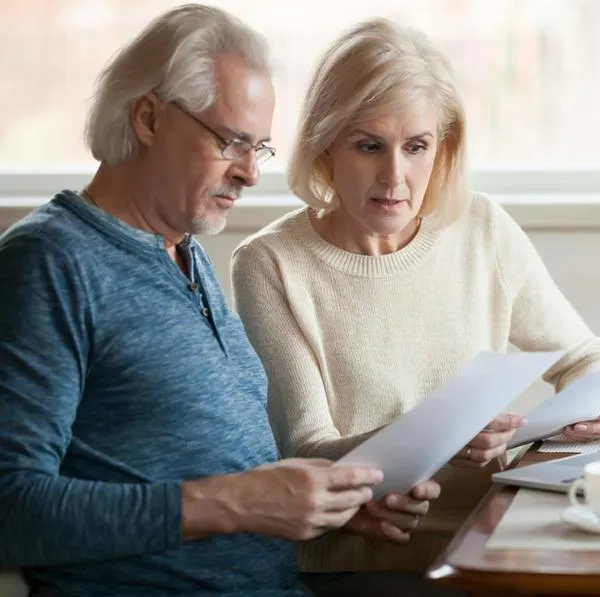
(388, 202)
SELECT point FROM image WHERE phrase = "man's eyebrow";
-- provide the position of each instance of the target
(242, 136)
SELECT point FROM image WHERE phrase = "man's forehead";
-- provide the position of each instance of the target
(244, 106)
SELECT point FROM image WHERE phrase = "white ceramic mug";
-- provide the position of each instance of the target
(590, 485)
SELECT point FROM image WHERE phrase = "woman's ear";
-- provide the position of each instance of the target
(326, 167)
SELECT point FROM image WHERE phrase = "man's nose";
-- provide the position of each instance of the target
(245, 170)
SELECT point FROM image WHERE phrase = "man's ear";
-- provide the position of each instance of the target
(143, 118)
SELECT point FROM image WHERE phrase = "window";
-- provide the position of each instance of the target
(528, 71)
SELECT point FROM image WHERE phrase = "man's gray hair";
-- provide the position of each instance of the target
(173, 56)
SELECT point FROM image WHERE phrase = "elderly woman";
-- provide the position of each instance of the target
(391, 278)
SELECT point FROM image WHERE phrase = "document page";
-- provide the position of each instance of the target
(579, 401)
(416, 445)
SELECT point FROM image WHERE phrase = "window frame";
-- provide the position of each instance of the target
(537, 196)
(500, 178)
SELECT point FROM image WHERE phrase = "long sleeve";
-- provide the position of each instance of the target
(45, 339)
(298, 407)
(351, 342)
(542, 318)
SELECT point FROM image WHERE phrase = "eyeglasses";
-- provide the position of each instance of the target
(232, 149)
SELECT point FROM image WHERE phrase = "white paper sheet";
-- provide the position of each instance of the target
(416, 445)
(579, 401)
(533, 521)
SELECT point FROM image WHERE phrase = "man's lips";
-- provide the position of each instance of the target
(230, 198)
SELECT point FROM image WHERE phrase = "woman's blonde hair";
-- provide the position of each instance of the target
(173, 56)
(364, 72)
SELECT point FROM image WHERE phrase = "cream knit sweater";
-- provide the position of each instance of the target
(350, 342)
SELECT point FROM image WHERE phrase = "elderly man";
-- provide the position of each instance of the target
(135, 453)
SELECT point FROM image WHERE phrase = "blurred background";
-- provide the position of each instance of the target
(528, 71)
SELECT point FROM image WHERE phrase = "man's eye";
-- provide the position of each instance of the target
(238, 143)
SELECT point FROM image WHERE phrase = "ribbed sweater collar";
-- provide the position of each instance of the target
(365, 265)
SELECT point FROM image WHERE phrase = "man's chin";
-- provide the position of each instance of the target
(209, 227)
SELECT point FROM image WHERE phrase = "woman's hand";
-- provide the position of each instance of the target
(583, 431)
(490, 443)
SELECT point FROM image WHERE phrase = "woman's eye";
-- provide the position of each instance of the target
(416, 148)
(368, 147)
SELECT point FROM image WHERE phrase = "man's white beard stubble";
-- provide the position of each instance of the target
(203, 226)
(216, 224)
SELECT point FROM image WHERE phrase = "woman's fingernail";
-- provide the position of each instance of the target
(581, 427)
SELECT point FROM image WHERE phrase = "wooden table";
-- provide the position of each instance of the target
(468, 566)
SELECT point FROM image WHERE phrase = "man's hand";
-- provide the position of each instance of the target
(393, 517)
(295, 499)
(490, 443)
(583, 431)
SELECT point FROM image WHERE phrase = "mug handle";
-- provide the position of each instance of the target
(575, 487)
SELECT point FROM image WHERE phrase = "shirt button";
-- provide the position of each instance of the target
(204, 311)
(193, 286)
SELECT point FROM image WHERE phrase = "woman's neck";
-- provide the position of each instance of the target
(331, 228)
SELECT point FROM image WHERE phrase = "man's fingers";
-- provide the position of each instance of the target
(342, 477)
(428, 490)
(368, 525)
(402, 520)
(339, 501)
(318, 462)
(336, 520)
(399, 502)
(506, 422)
(393, 533)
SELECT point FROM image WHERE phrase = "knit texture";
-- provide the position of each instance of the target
(120, 378)
(350, 342)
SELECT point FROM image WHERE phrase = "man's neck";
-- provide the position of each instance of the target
(110, 191)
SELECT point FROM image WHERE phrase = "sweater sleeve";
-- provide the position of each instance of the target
(542, 318)
(45, 337)
(298, 406)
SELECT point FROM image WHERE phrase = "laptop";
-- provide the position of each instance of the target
(552, 475)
